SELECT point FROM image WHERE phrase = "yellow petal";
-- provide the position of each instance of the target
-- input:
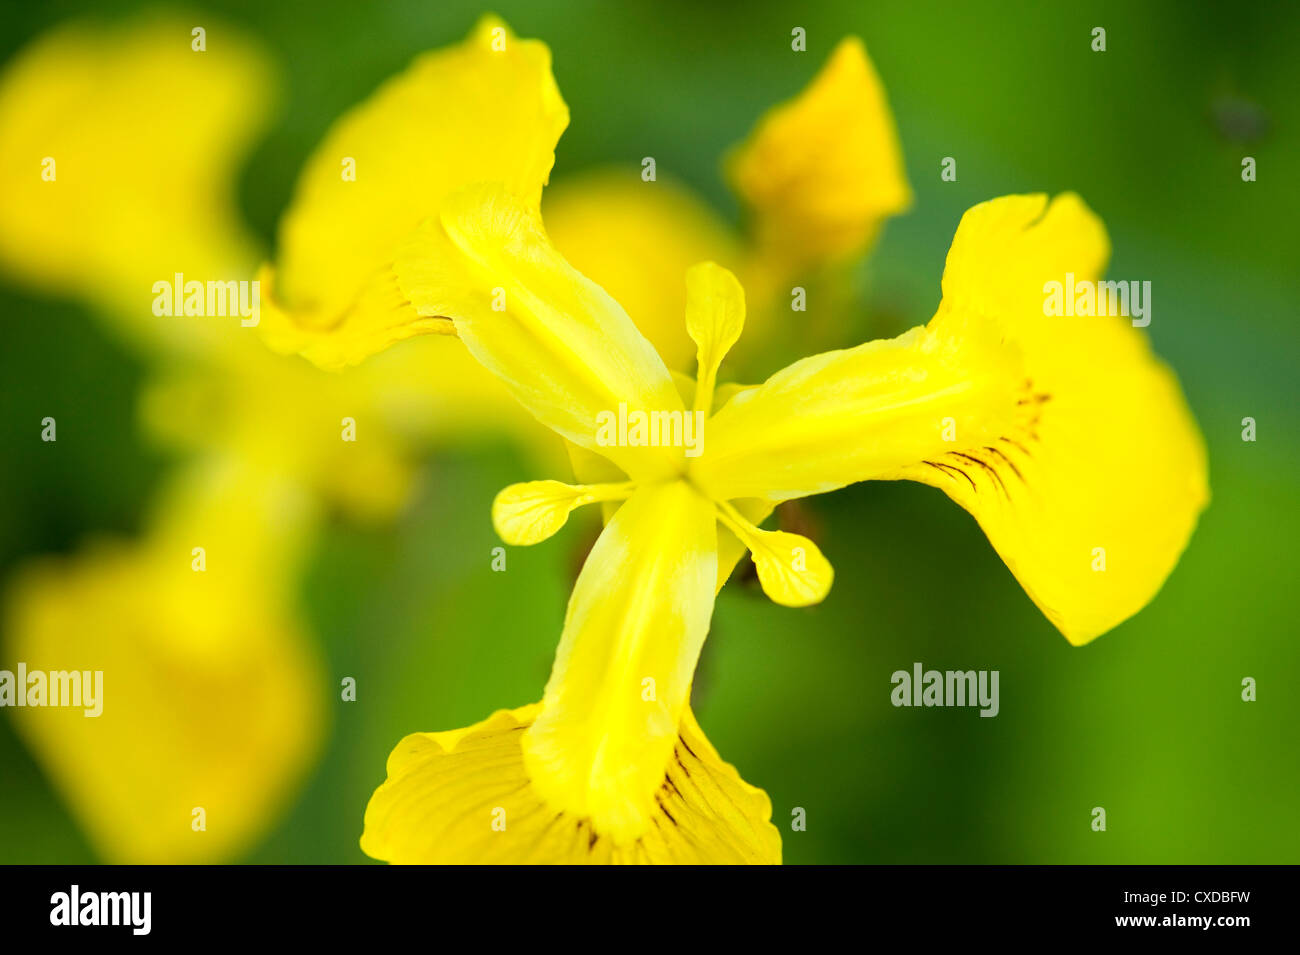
(528, 513)
(211, 694)
(635, 625)
(823, 171)
(567, 351)
(141, 179)
(378, 317)
(844, 416)
(486, 109)
(715, 316)
(464, 797)
(635, 240)
(1069, 442)
(1110, 475)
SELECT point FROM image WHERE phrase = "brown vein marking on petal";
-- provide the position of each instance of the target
(987, 467)
(592, 836)
(1017, 445)
(1011, 464)
(664, 809)
(945, 468)
(1033, 401)
(681, 764)
(704, 800)
(438, 325)
(699, 790)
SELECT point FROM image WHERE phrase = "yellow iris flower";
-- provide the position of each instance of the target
(998, 405)
(611, 765)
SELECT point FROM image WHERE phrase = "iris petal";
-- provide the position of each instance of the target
(1067, 439)
(487, 108)
(635, 625)
(465, 797)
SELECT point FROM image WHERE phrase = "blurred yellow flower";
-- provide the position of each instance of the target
(821, 173)
(213, 700)
(103, 196)
(213, 693)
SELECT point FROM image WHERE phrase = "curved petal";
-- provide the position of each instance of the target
(1070, 443)
(567, 351)
(464, 797)
(823, 171)
(636, 623)
(1104, 494)
(486, 109)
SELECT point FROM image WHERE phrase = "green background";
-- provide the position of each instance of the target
(1147, 722)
